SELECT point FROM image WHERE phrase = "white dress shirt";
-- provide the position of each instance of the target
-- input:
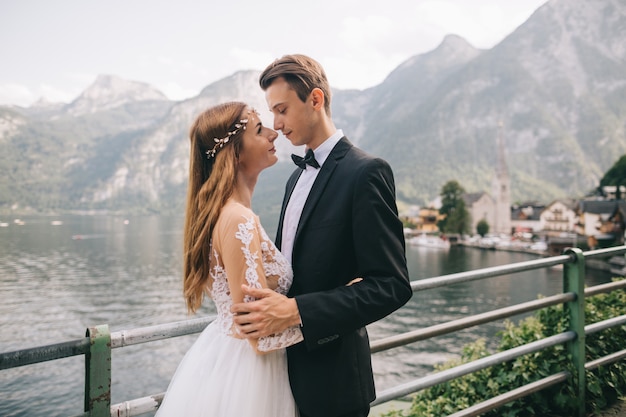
(301, 192)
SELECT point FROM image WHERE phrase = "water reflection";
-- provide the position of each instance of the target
(56, 281)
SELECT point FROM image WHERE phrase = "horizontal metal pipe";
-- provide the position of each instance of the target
(605, 288)
(151, 333)
(137, 406)
(466, 322)
(43, 353)
(467, 368)
(605, 324)
(164, 331)
(512, 395)
(444, 280)
(440, 281)
(159, 332)
(605, 252)
(605, 360)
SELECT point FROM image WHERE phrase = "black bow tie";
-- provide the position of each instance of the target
(309, 158)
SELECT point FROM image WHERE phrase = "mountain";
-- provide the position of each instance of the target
(155, 167)
(109, 92)
(556, 85)
(52, 155)
(555, 89)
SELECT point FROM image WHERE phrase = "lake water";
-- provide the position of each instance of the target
(57, 280)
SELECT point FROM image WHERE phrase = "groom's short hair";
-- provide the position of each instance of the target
(302, 73)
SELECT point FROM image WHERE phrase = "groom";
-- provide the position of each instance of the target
(340, 230)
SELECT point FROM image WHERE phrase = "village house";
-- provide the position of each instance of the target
(602, 222)
(525, 217)
(559, 217)
(599, 222)
(480, 206)
(609, 192)
(423, 220)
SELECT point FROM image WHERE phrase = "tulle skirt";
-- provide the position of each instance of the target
(221, 376)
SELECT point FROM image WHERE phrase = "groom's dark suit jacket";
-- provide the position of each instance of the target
(349, 228)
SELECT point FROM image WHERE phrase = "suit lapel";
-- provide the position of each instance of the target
(338, 152)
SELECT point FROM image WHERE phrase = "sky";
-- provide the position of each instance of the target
(55, 49)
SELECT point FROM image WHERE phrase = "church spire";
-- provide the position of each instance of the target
(501, 170)
(501, 188)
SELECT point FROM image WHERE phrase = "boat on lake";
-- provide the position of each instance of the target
(430, 241)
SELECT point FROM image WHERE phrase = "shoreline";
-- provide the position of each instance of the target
(598, 264)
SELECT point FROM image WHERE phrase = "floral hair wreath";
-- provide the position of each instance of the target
(219, 143)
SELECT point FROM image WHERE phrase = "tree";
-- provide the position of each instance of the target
(456, 218)
(482, 227)
(616, 176)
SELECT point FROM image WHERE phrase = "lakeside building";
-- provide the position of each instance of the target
(603, 222)
(560, 216)
(526, 218)
(595, 221)
(423, 220)
(480, 206)
(495, 209)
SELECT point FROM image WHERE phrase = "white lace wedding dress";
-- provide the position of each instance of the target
(221, 375)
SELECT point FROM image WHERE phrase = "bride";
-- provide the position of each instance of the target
(225, 246)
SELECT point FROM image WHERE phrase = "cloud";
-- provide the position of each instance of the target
(250, 59)
(483, 23)
(175, 66)
(359, 44)
(55, 95)
(175, 91)
(363, 32)
(16, 94)
(371, 47)
(21, 95)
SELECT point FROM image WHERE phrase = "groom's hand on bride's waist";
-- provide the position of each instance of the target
(270, 313)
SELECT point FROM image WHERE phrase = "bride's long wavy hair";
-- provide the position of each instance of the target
(211, 183)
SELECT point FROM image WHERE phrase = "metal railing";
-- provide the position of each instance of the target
(99, 342)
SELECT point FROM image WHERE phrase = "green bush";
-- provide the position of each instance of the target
(604, 384)
(482, 227)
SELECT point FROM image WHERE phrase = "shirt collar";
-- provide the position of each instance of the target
(322, 151)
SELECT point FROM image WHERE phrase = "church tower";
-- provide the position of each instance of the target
(501, 190)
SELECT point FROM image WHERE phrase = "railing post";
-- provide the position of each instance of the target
(98, 372)
(574, 281)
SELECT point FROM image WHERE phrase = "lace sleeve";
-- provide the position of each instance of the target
(243, 261)
(287, 337)
(240, 251)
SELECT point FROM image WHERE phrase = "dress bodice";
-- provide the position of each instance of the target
(243, 253)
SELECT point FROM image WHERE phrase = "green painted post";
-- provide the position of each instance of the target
(574, 281)
(98, 372)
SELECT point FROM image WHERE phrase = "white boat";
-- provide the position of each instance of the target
(487, 243)
(429, 241)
